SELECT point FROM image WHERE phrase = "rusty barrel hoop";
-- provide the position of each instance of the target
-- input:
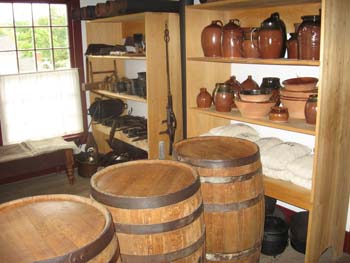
(103, 246)
(157, 209)
(232, 187)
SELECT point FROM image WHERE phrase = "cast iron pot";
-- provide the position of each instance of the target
(298, 231)
(275, 236)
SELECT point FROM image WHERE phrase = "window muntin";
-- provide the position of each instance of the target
(33, 37)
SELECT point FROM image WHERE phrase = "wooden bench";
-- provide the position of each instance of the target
(17, 161)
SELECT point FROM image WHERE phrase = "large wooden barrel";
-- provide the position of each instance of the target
(157, 209)
(233, 195)
(56, 228)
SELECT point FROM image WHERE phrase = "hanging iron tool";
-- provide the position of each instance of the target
(170, 115)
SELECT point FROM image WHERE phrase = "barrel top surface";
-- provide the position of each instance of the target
(215, 148)
(147, 178)
(38, 228)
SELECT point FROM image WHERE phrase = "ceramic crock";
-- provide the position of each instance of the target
(211, 39)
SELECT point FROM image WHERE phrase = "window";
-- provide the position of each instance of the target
(33, 37)
(38, 47)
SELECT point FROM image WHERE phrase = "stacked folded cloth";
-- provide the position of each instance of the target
(289, 161)
(238, 130)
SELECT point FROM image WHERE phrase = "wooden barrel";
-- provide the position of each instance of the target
(56, 228)
(157, 209)
(232, 189)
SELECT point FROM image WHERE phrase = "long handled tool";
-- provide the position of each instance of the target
(170, 115)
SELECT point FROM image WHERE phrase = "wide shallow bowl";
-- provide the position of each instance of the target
(254, 109)
(256, 95)
(297, 94)
(300, 84)
(295, 107)
(293, 98)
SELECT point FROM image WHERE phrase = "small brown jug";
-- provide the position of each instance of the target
(249, 84)
(204, 99)
(311, 109)
(232, 39)
(236, 88)
(211, 39)
(222, 97)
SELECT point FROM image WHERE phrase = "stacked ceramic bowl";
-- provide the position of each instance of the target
(255, 103)
(295, 93)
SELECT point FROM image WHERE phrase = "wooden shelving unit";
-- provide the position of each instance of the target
(113, 30)
(328, 199)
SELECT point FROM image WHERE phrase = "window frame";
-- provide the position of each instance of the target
(76, 54)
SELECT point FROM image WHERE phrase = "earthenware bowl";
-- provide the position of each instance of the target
(254, 110)
(300, 84)
(256, 95)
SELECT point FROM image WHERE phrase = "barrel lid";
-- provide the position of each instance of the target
(141, 184)
(45, 227)
(216, 151)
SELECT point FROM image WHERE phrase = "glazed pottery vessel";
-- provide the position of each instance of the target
(249, 84)
(309, 34)
(300, 84)
(236, 88)
(272, 37)
(256, 95)
(279, 114)
(272, 83)
(204, 99)
(232, 39)
(223, 97)
(311, 109)
(292, 46)
(211, 39)
(254, 109)
(250, 42)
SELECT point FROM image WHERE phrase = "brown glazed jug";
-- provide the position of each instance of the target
(204, 99)
(232, 39)
(211, 39)
(292, 46)
(309, 35)
(236, 88)
(272, 37)
(311, 109)
(222, 97)
(250, 42)
(249, 84)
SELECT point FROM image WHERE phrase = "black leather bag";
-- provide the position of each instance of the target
(101, 110)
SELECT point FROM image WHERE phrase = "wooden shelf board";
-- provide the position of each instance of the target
(121, 18)
(281, 61)
(288, 192)
(143, 144)
(119, 95)
(294, 125)
(230, 4)
(126, 57)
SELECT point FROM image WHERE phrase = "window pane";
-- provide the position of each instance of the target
(24, 38)
(6, 18)
(42, 37)
(7, 39)
(41, 14)
(26, 61)
(23, 14)
(62, 58)
(44, 60)
(8, 63)
(58, 14)
(60, 37)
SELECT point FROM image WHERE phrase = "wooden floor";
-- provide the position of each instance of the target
(57, 183)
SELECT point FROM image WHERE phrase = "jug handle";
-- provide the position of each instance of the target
(251, 39)
(217, 21)
(213, 94)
